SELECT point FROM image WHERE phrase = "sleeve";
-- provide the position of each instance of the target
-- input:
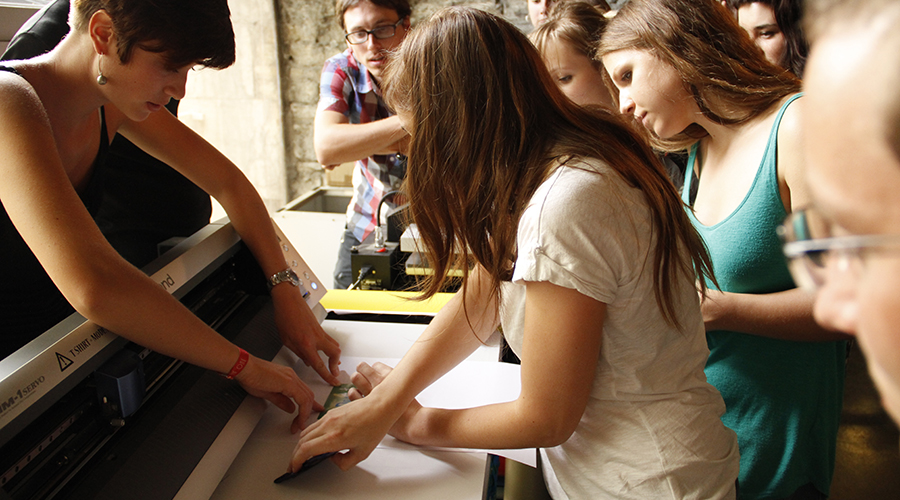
(578, 232)
(334, 88)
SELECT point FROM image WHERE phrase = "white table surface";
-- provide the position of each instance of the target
(392, 471)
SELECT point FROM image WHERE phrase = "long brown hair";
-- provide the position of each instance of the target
(729, 77)
(488, 124)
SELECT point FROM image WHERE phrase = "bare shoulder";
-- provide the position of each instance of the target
(791, 159)
(791, 126)
(19, 103)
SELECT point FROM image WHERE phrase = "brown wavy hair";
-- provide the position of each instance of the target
(187, 32)
(488, 125)
(730, 79)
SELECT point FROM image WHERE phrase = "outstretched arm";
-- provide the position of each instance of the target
(455, 332)
(559, 358)
(166, 138)
(39, 198)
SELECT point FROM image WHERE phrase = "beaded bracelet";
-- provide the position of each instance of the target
(239, 365)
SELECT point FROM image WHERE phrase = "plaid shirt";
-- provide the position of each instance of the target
(350, 90)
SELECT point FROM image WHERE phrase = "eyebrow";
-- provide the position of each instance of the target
(378, 24)
(766, 26)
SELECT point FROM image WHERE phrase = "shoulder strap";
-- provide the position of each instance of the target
(9, 69)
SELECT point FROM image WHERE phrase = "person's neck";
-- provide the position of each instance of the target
(718, 140)
(65, 79)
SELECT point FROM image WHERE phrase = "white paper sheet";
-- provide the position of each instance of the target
(472, 383)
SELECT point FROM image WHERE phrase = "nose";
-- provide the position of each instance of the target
(372, 43)
(177, 88)
(626, 105)
(837, 306)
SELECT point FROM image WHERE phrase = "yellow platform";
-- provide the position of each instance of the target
(382, 301)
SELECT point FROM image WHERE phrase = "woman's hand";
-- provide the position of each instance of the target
(357, 426)
(280, 385)
(365, 379)
(301, 333)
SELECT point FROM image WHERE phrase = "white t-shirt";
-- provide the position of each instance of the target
(652, 427)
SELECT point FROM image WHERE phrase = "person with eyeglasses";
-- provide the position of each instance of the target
(844, 246)
(352, 122)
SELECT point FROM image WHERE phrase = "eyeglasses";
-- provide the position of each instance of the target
(380, 33)
(814, 255)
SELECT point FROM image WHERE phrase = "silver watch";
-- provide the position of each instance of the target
(286, 276)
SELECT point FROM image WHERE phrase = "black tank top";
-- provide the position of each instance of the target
(29, 301)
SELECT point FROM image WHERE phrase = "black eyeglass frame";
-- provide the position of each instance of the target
(373, 32)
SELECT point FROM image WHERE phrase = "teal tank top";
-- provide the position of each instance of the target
(783, 398)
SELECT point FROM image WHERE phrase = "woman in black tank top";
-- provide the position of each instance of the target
(117, 68)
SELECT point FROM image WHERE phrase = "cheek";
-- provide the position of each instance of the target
(774, 49)
(879, 318)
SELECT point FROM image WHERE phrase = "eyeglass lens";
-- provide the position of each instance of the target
(381, 32)
(810, 269)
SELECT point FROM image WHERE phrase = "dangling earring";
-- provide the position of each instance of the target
(101, 79)
(527, 19)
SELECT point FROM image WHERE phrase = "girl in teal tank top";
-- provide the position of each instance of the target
(783, 398)
(702, 86)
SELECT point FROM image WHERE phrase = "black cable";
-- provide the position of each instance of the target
(378, 213)
(365, 271)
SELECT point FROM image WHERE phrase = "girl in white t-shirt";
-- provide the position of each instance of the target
(581, 250)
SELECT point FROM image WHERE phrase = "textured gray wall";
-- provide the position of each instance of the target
(308, 34)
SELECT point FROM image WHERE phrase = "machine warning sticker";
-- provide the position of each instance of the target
(64, 362)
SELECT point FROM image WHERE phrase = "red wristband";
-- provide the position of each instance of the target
(239, 365)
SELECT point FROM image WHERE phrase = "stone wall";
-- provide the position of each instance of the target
(260, 111)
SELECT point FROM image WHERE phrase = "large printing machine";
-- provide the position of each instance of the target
(85, 414)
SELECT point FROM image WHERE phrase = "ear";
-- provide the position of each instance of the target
(100, 30)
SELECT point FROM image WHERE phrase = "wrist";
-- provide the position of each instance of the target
(283, 278)
(239, 365)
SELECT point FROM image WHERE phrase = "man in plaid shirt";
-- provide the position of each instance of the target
(352, 121)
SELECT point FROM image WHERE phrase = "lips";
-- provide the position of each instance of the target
(642, 119)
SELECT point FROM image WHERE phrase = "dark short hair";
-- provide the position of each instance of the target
(401, 7)
(186, 31)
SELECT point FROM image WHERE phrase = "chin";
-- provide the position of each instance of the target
(888, 388)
